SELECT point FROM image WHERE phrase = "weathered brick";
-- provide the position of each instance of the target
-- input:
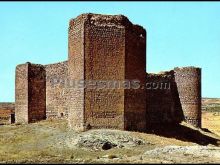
(188, 80)
(30, 93)
(56, 100)
(104, 47)
(163, 104)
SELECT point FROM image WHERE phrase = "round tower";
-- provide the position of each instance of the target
(188, 81)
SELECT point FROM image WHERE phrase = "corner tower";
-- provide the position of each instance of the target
(30, 96)
(106, 48)
(188, 81)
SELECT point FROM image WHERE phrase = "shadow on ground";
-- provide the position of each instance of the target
(183, 133)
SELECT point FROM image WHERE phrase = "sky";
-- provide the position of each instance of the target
(178, 34)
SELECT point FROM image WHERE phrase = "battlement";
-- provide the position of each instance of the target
(106, 20)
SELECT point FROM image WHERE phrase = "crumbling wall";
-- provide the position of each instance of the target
(7, 111)
(188, 80)
(30, 98)
(56, 85)
(99, 50)
(163, 104)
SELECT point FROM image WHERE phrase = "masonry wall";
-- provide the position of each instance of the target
(56, 85)
(188, 80)
(163, 103)
(7, 111)
(76, 73)
(99, 50)
(135, 69)
(30, 93)
(21, 94)
(104, 60)
(36, 92)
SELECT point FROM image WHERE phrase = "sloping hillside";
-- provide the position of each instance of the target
(53, 142)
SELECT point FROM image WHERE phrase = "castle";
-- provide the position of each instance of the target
(103, 49)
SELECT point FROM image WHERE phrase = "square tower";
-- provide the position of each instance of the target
(106, 49)
(30, 96)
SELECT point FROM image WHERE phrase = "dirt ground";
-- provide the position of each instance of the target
(51, 141)
(211, 115)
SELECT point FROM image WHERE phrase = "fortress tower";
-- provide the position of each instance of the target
(188, 80)
(106, 47)
(30, 96)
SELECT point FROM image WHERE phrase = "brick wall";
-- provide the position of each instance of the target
(21, 94)
(30, 93)
(36, 92)
(163, 103)
(76, 73)
(181, 101)
(188, 80)
(135, 69)
(56, 100)
(104, 47)
(104, 60)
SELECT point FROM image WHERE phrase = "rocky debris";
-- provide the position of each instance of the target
(185, 153)
(95, 144)
(110, 157)
(57, 144)
(104, 140)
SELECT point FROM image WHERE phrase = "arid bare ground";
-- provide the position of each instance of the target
(52, 142)
(211, 115)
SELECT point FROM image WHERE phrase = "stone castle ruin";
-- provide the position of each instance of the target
(103, 48)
